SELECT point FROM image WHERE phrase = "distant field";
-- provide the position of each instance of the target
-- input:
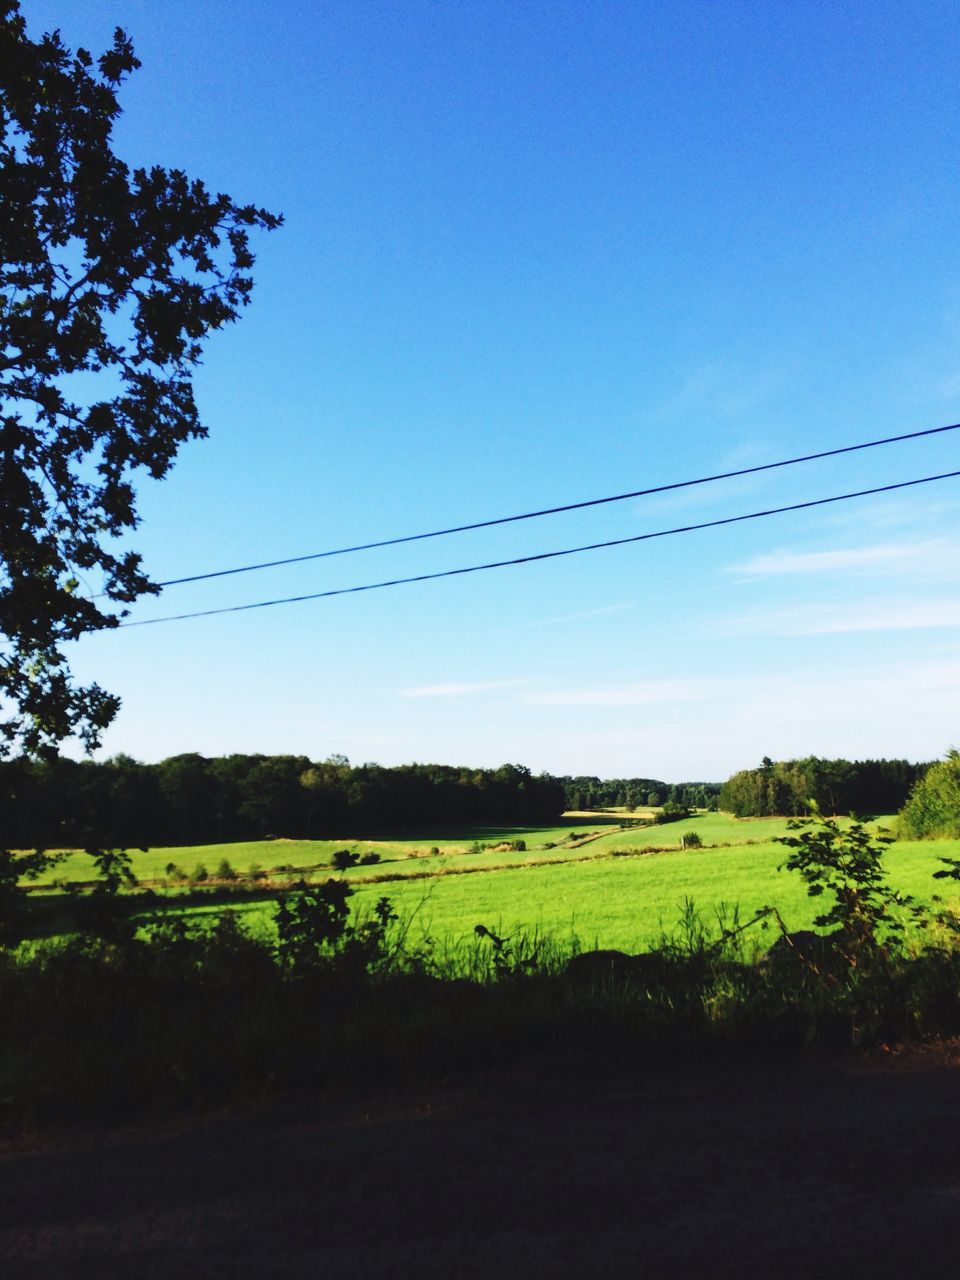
(625, 902)
(577, 836)
(567, 881)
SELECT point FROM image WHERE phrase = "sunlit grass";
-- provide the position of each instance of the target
(624, 902)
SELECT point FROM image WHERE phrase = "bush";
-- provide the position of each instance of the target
(225, 871)
(344, 859)
(672, 812)
(691, 840)
(369, 859)
(199, 874)
(845, 864)
(314, 928)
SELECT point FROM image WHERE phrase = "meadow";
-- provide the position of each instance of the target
(594, 877)
(208, 991)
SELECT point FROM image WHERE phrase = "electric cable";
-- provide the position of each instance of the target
(552, 511)
(542, 555)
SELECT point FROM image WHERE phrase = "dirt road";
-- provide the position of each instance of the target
(845, 1168)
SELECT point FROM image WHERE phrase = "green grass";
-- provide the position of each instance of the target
(203, 1015)
(625, 902)
(610, 901)
(453, 843)
(411, 854)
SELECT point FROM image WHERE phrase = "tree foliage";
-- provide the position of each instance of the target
(845, 863)
(783, 788)
(191, 799)
(933, 806)
(110, 279)
(588, 792)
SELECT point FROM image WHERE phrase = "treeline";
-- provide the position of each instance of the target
(636, 793)
(785, 787)
(192, 799)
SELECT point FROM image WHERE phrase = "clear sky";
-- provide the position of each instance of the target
(536, 253)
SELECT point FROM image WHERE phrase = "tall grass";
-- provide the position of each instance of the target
(204, 1010)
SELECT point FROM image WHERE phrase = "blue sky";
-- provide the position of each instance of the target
(538, 253)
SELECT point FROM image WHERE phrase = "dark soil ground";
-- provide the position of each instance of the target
(823, 1168)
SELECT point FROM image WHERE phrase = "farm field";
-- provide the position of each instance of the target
(586, 878)
(439, 849)
(621, 902)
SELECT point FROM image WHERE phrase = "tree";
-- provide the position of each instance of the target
(110, 279)
(933, 807)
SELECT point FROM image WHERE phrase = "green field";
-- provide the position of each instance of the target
(624, 902)
(586, 877)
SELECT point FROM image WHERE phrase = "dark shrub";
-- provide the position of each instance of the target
(671, 812)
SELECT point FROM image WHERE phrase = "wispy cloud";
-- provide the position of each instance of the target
(461, 689)
(925, 556)
(886, 615)
(641, 693)
(905, 510)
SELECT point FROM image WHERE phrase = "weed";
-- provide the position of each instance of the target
(522, 953)
(314, 929)
(846, 863)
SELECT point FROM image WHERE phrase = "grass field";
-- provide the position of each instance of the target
(578, 836)
(621, 902)
(586, 877)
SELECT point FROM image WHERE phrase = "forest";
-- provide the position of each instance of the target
(194, 799)
(785, 788)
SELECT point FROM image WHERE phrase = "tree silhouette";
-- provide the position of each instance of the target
(110, 279)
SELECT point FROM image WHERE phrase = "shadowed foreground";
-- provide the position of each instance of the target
(830, 1168)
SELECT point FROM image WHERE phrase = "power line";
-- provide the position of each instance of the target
(552, 511)
(544, 555)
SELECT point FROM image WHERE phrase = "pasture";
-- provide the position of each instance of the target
(591, 877)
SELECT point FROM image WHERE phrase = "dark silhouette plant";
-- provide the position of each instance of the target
(14, 906)
(110, 280)
(343, 859)
(104, 913)
(846, 864)
(314, 930)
